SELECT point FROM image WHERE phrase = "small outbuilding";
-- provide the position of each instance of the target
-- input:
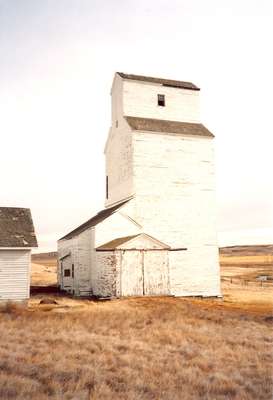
(17, 237)
(136, 265)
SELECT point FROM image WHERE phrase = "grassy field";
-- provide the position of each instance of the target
(146, 348)
(142, 348)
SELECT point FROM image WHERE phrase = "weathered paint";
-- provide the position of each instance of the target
(170, 180)
(14, 274)
(156, 273)
(131, 273)
(106, 274)
(80, 249)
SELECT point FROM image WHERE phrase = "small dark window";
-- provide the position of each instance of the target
(67, 272)
(116, 123)
(72, 270)
(161, 100)
(107, 187)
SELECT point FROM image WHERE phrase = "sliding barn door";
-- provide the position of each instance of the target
(131, 274)
(156, 273)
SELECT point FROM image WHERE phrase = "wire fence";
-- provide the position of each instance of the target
(248, 282)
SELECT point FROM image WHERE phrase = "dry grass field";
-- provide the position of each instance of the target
(149, 348)
(140, 348)
(44, 269)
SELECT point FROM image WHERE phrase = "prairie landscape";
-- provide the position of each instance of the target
(143, 348)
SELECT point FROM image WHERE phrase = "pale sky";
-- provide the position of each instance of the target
(57, 61)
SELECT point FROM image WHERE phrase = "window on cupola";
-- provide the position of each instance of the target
(161, 100)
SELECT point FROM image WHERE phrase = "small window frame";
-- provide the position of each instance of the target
(67, 273)
(161, 101)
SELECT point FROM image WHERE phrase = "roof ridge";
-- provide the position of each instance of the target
(93, 221)
(162, 81)
(167, 126)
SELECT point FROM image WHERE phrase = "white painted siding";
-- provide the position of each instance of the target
(80, 248)
(175, 202)
(14, 274)
(87, 274)
(117, 225)
(171, 181)
(156, 273)
(140, 100)
(118, 150)
(131, 273)
(119, 164)
(106, 274)
(64, 248)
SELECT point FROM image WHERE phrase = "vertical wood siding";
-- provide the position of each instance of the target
(156, 273)
(131, 273)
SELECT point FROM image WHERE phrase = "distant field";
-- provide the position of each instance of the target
(44, 269)
(240, 267)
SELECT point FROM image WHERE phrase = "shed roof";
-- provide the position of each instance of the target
(101, 216)
(118, 242)
(16, 228)
(164, 82)
(113, 244)
(165, 126)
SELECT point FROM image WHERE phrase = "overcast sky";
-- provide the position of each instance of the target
(57, 61)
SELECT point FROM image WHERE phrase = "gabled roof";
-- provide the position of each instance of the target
(101, 216)
(16, 228)
(165, 126)
(164, 82)
(113, 244)
(117, 243)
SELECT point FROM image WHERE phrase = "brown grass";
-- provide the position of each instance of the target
(43, 275)
(149, 348)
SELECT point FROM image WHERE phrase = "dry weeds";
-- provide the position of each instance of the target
(149, 348)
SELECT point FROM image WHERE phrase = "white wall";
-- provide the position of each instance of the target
(116, 226)
(118, 150)
(87, 271)
(175, 202)
(140, 100)
(106, 274)
(15, 274)
(81, 249)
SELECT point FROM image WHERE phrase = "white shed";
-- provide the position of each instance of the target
(135, 265)
(17, 237)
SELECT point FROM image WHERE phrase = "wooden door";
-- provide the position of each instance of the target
(131, 273)
(67, 274)
(156, 273)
